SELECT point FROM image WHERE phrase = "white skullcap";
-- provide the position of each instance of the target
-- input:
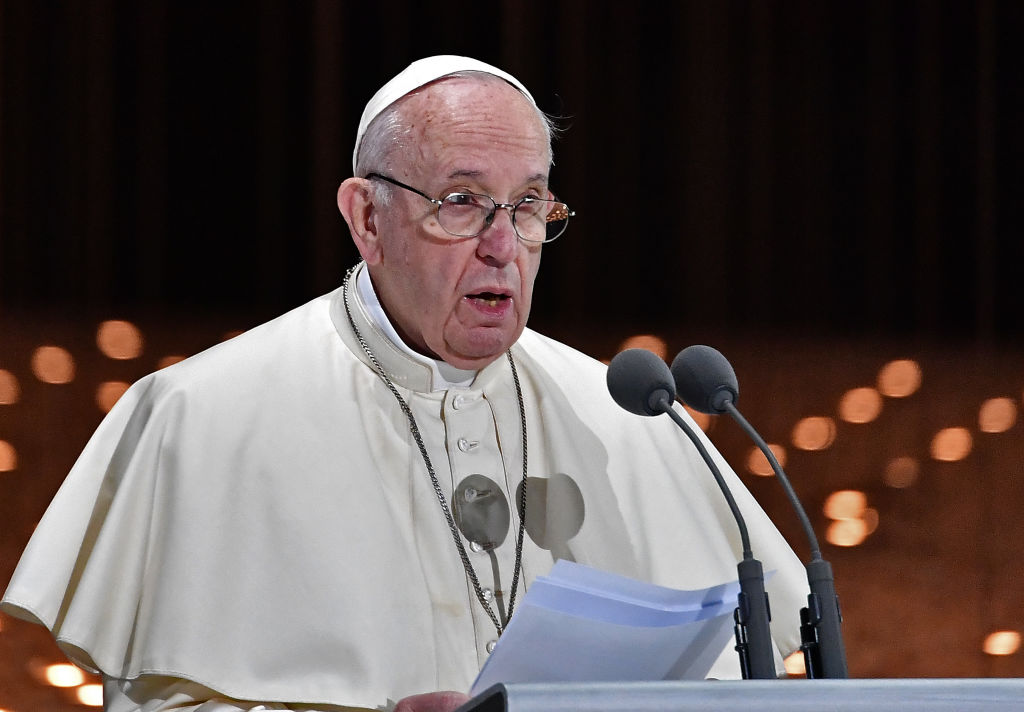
(420, 72)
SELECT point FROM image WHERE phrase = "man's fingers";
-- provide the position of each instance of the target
(445, 701)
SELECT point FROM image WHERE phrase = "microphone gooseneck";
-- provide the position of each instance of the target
(707, 382)
(641, 383)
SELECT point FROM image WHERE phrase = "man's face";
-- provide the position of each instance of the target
(463, 300)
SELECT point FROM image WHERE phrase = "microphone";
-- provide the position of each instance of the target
(642, 383)
(707, 382)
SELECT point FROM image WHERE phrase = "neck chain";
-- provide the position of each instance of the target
(414, 429)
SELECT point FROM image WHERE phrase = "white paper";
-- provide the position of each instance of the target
(579, 624)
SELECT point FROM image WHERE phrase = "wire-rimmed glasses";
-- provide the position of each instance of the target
(468, 214)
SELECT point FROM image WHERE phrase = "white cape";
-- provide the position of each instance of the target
(256, 518)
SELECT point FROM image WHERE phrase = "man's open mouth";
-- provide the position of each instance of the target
(491, 299)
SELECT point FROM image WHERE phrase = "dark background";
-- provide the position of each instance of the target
(820, 168)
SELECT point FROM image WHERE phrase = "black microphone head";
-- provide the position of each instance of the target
(638, 380)
(705, 379)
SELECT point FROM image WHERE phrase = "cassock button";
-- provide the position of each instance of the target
(467, 445)
(461, 401)
(488, 596)
(490, 646)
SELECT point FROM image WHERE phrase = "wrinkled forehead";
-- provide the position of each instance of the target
(474, 114)
(419, 74)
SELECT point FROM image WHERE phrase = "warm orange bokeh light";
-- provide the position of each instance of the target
(119, 339)
(845, 504)
(758, 464)
(109, 393)
(169, 361)
(64, 675)
(646, 341)
(703, 420)
(814, 433)
(847, 532)
(52, 364)
(951, 444)
(899, 379)
(901, 472)
(8, 457)
(10, 391)
(852, 519)
(90, 695)
(1002, 642)
(997, 415)
(860, 405)
(795, 664)
(870, 518)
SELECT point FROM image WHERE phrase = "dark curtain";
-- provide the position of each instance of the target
(810, 167)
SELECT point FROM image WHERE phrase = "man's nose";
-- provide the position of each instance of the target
(499, 240)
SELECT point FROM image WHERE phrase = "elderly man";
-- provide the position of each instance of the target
(339, 509)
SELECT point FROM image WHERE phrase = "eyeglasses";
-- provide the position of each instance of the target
(469, 214)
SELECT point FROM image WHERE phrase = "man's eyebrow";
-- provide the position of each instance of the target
(468, 173)
(464, 173)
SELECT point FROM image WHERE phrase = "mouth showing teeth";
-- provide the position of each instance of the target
(489, 298)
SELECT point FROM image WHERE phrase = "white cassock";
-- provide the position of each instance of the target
(256, 523)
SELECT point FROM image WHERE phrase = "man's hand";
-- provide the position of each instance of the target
(432, 702)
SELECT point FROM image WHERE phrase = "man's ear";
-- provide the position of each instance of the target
(355, 201)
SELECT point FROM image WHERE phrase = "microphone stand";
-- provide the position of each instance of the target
(824, 653)
(752, 614)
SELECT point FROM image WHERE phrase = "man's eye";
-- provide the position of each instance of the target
(466, 200)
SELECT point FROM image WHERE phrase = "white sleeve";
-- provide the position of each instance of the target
(154, 693)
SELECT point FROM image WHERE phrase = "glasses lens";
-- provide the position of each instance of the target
(464, 214)
(541, 220)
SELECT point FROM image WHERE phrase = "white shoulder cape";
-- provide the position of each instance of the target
(229, 522)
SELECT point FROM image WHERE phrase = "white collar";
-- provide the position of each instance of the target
(444, 375)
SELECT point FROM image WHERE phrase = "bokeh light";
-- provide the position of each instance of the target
(847, 532)
(63, 675)
(8, 457)
(845, 504)
(703, 420)
(860, 405)
(758, 464)
(997, 415)
(852, 519)
(169, 361)
(899, 379)
(814, 433)
(90, 695)
(901, 472)
(1002, 642)
(119, 339)
(646, 341)
(10, 391)
(795, 664)
(107, 394)
(870, 518)
(52, 364)
(951, 444)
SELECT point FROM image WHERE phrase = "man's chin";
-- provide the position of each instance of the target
(475, 354)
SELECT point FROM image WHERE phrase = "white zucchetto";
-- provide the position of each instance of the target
(421, 72)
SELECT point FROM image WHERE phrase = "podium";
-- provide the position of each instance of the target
(870, 695)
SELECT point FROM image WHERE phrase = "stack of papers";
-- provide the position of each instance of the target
(579, 624)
